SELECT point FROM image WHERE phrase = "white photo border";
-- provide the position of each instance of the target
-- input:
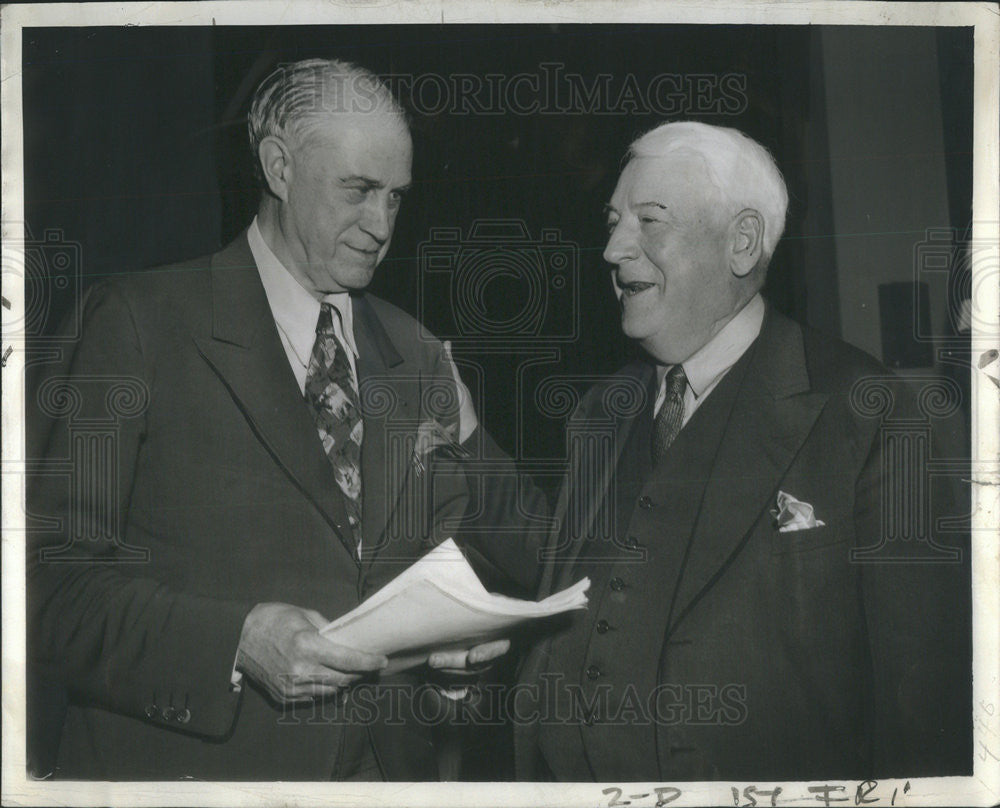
(982, 788)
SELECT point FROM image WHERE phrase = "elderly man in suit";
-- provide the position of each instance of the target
(260, 479)
(742, 625)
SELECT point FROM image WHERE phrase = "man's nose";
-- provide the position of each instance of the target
(621, 245)
(377, 219)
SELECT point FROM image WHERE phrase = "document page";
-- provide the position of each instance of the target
(439, 603)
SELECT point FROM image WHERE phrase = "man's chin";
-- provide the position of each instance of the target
(635, 328)
(351, 279)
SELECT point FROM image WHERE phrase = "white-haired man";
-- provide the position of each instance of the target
(256, 489)
(731, 633)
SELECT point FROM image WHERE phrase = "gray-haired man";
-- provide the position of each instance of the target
(255, 489)
(741, 627)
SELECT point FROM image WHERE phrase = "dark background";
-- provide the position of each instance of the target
(135, 155)
(135, 149)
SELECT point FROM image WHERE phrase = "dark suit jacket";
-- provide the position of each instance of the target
(193, 485)
(717, 646)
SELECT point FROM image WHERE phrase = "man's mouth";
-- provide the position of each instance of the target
(364, 252)
(634, 287)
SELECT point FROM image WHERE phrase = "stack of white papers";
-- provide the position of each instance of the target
(437, 604)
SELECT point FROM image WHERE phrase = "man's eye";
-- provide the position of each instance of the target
(611, 224)
(357, 193)
(648, 220)
(395, 199)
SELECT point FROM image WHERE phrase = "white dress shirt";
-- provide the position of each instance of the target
(706, 366)
(296, 311)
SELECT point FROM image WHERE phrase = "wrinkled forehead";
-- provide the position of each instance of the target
(355, 127)
(371, 140)
(678, 179)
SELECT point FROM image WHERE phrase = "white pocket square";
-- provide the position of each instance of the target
(792, 514)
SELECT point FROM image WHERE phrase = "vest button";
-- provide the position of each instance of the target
(645, 503)
(593, 672)
(183, 715)
(617, 584)
(632, 543)
(603, 626)
(168, 713)
(152, 710)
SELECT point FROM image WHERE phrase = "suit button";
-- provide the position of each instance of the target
(632, 543)
(168, 713)
(151, 710)
(603, 626)
(590, 718)
(593, 672)
(645, 503)
(183, 715)
(617, 584)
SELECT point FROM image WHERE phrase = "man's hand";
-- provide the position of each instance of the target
(469, 662)
(457, 669)
(467, 420)
(282, 650)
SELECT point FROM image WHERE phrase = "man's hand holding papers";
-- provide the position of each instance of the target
(282, 649)
(438, 607)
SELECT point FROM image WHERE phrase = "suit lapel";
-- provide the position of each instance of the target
(246, 352)
(390, 422)
(771, 418)
(588, 502)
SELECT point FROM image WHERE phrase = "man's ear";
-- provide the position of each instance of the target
(746, 242)
(276, 164)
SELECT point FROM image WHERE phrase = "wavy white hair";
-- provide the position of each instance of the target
(743, 171)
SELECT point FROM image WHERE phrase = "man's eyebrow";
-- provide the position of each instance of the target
(652, 204)
(362, 179)
(371, 182)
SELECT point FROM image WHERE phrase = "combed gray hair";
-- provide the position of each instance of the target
(298, 95)
(742, 170)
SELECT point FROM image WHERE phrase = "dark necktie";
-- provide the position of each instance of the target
(332, 396)
(671, 415)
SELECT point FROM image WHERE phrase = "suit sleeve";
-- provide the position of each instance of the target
(506, 523)
(502, 518)
(918, 620)
(99, 620)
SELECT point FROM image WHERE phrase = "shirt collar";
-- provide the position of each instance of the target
(721, 352)
(295, 311)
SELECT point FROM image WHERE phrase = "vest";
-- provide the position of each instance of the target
(609, 712)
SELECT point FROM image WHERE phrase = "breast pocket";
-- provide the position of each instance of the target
(806, 540)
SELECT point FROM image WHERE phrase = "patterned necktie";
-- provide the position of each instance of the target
(332, 396)
(671, 415)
